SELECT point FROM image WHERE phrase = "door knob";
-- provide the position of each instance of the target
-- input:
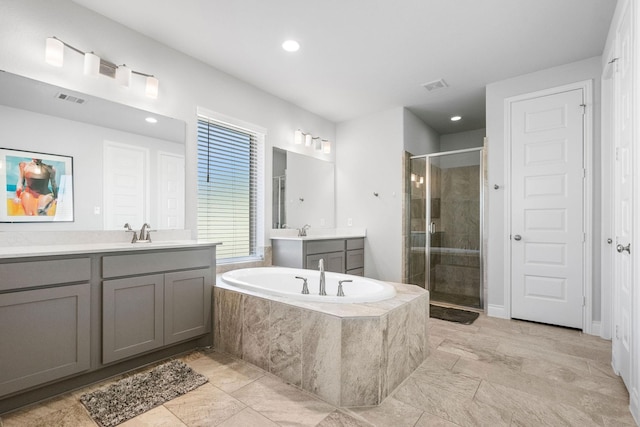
(517, 237)
(621, 248)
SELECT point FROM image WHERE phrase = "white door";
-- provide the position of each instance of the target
(547, 232)
(125, 188)
(623, 199)
(170, 191)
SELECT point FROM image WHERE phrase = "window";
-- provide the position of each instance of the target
(228, 166)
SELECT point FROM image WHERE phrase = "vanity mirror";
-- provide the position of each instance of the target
(128, 164)
(303, 191)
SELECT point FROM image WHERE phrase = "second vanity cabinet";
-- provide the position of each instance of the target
(344, 255)
(145, 311)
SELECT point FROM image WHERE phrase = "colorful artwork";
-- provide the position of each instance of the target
(37, 187)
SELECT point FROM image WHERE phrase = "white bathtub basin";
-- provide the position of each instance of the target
(282, 282)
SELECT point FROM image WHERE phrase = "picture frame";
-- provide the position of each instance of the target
(35, 187)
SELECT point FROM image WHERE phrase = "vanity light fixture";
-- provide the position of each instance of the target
(456, 118)
(326, 146)
(94, 66)
(91, 64)
(316, 142)
(123, 76)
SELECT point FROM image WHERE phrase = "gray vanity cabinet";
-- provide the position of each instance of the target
(132, 316)
(44, 322)
(147, 311)
(340, 255)
(187, 304)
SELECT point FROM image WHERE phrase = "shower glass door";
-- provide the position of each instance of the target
(450, 231)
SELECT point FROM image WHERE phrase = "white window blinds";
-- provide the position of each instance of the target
(227, 188)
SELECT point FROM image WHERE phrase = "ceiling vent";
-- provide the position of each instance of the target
(435, 85)
(70, 98)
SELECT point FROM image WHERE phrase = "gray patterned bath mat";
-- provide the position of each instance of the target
(452, 314)
(138, 393)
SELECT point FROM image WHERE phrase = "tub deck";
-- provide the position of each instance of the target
(347, 354)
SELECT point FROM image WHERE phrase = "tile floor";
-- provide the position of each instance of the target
(491, 373)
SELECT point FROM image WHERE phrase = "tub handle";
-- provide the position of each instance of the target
(305, 288)
(340, 291)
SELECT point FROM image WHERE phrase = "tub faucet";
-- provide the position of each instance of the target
(322, 283)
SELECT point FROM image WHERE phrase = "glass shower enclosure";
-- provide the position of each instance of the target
(445, 193)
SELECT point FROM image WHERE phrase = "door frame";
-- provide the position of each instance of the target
(587, 89)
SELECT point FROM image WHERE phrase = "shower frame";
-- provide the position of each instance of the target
(429, 221)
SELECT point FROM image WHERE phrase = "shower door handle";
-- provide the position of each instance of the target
(432, 228)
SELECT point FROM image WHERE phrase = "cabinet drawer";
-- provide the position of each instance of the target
(44, 335)
(17, 275)
(128, 265)
(323, 246)
(355, 259)
(355, 244)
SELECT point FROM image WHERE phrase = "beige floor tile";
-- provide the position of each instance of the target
(565, 376)
(73, 415)
(428, 420)
(341, 419)
(530, 409)
(156, 417)
(248, 417)
(225, 372)
(204, 406)
(625, 420)
(282, 403)
(498, 374)
(534, 351)
(391, 412)
(448, 396)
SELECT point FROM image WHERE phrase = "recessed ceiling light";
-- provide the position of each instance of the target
(151, 120)
(455, 118)
(291, 46)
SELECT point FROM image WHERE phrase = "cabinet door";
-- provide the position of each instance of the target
(132, 313)
(44, 335)
(187, 304)
(333, 261)
(355, 259)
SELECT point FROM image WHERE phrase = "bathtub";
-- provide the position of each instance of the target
(282, 282)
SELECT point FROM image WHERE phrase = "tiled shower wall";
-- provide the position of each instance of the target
(459, 223)
(347, 361)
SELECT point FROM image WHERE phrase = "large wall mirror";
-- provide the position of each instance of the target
(303, 191)
(125, 168)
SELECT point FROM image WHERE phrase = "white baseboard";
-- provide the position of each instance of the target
(634, 405)
(497, 311)
(595, 328)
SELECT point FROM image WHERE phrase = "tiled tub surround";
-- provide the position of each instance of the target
(347, 354)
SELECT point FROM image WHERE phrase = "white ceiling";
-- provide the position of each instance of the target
(363, 56)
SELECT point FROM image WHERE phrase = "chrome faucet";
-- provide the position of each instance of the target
(303, 231)
(322, 282)
(127, 227)
(144, 237)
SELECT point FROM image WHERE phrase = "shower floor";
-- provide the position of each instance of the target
(455, 299)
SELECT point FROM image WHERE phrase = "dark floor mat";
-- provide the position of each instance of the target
(452, 314)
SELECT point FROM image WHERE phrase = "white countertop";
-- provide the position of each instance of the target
(88, 248)
(319, 234)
